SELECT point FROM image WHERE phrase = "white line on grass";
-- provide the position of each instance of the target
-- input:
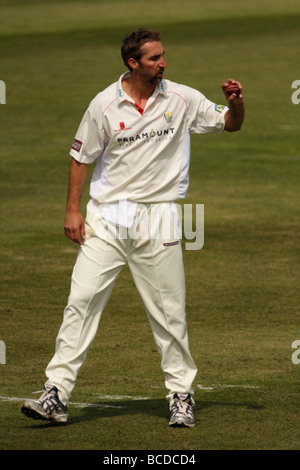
(121, 397)
(216, 386)
(77, 405)
(205, 388)
(287, 127)
(94, 405)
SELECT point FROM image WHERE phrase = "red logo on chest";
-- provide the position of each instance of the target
(122, 127)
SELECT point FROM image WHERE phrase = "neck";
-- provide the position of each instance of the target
(138, 89)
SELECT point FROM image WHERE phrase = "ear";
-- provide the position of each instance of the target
(133, 63)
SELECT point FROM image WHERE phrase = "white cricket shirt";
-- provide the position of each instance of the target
(143, 156)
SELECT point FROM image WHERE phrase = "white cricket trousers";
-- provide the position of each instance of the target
(156, 264)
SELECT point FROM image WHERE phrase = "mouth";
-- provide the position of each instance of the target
(157, 77)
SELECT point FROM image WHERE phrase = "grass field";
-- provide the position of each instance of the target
(242, 287)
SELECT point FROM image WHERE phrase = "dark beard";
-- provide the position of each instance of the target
(155, 80)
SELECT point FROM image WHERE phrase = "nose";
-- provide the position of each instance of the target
(162, 63)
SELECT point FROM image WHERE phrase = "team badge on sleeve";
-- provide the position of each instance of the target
(76, 145)
(219, 108)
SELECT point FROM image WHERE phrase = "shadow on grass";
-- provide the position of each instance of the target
(155, 407)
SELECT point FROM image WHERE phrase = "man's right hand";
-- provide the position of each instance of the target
(74, 227)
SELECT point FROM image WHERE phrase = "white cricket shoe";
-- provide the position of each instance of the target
(181, 406)
(48, 407)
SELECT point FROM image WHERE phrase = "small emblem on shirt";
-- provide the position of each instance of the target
(76, 145)
(168, 116)
(122, 127)
(219, 108)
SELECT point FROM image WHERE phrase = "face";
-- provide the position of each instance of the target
(152, 64)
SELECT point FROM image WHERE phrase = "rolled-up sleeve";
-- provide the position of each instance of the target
(206, 116)
(89, 139)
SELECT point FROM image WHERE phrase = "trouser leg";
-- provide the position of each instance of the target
(157, 268)
(95, 271)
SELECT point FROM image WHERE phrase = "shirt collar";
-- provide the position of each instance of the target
(121, 95)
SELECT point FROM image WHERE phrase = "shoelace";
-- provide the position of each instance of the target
(181, 407)
(49, 402)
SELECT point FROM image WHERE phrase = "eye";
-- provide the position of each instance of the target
(157, 57)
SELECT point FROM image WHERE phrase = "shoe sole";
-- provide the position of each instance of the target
(181, 424)
(31, 413)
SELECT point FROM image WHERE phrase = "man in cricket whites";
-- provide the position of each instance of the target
(137, 131)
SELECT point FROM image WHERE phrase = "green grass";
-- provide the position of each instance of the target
(242, 287)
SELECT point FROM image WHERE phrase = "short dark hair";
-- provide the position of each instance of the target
(132, 44)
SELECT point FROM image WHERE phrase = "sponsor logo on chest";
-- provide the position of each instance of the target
(146, 136)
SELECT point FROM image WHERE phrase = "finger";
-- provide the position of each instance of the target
(73, 235)
(76, 237)
(231, 81)
(82, 232)
(232, 90)
(235, 99)
(228, 82)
